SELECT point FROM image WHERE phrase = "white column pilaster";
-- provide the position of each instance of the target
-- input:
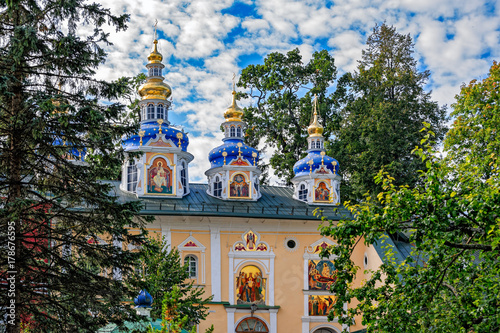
(215, 264)
(231, 278)
(167, 236)
(273, 316)
(230, 320)
(305, 326)
(271, 279)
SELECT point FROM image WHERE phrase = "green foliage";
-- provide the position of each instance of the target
(50, 113)
(383, 114)
(475, 131)
(162, 273)
(173, 321)
(283, 104)
(451, 280)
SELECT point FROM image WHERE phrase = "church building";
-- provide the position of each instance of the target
(254, 248)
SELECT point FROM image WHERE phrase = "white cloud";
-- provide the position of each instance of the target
(451, 37)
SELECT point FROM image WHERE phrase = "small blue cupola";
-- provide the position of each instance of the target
(162, 169)
(317, 178)
(233, 173)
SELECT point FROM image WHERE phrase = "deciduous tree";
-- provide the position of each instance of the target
(281, 90)
(451, 280)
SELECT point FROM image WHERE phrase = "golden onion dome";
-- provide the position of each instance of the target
(155, 88)
(155, 57)
(233, 112)
(315, 129)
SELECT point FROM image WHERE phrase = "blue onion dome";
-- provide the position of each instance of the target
(149, 130)
(305, 166)
(232, 148)
(143, 300)
(72, 153)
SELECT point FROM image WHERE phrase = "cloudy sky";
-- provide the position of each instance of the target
(204, 42)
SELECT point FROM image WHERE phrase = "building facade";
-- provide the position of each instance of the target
(254, 248)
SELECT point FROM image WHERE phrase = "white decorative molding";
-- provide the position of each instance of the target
(285, 243)
(215, 263)
(318, 319)
(233, 329)
(198, 248)
(230, 319)
(273, 318)
(167, 236)
(324, 326)
(261, 259)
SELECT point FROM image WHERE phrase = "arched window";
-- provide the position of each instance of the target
(232, 132)
(183, 176)
(324, 330)
(217, 187)
(150, 71)
(156, 71)
(131, 176)
(159, 111)
(143, 112)
(151, 111)
(238, 131)
(252, 324)
(303, 192)
(191, 263)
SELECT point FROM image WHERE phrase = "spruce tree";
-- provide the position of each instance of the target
(383, 114)
(62, 230)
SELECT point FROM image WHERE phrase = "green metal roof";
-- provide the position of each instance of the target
(276, 203)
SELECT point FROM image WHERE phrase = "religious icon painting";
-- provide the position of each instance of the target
(159, 177)
(250, 286)
(238, 187)
(320, 305)
(322, 274)
(251, 240)
(239, 247)
(322, 193)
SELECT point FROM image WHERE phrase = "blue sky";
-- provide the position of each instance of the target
(205, 41)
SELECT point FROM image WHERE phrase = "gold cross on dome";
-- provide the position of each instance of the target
(141, 134)
(311, 162)
(160, 121)
(179, 136)
(239, 146)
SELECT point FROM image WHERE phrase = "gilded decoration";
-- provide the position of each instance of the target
(250, 239)
(320, 247)
(320, 305)
(322, 274)
(250, 286)
(240, 162)
(159, 177)
(238, 187)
